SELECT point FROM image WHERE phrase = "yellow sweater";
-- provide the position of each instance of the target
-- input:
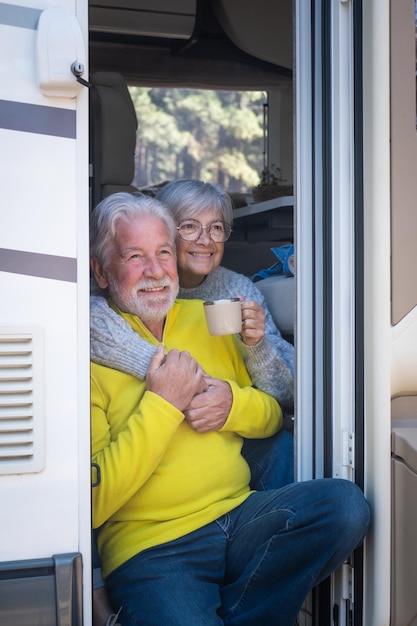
(159, 478)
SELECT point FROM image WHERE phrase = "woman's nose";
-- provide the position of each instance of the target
(204, 236)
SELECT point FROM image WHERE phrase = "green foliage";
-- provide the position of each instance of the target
(216, 136)
(270, 176)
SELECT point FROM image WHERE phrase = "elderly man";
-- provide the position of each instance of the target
(183, 540)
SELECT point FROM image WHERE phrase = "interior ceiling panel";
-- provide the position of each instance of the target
(193, 42)
(262, 28)
(145, 18)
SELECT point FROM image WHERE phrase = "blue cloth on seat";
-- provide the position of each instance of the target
(283, 254)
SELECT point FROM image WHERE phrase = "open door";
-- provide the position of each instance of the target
(44, 330)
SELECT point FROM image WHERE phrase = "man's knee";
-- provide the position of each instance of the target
(351, 510)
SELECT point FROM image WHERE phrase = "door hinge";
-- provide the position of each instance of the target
(347, 582)
(348, 451)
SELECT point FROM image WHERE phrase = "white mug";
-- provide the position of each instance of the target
(224, 317)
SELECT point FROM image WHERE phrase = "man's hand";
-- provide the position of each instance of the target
(176, 377)
(208, 411)
(253, 323)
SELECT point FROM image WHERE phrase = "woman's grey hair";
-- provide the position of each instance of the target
(188, 198)
(123, 206)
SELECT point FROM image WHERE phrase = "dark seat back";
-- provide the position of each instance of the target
(113, 125)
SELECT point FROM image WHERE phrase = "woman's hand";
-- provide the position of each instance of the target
(253, 323)
(208, 411)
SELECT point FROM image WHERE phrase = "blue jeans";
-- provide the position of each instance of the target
(253, 566)
(271, 461)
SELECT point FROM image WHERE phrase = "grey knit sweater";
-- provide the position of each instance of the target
(270, 363)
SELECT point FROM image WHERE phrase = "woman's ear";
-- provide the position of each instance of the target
(99, 273)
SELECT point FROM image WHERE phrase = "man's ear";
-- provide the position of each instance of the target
(99, 273)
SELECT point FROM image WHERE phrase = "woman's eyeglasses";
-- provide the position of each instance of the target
(217, 230)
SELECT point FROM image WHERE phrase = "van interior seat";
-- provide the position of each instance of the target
(113, 139)
(279, 294)
(247, 257)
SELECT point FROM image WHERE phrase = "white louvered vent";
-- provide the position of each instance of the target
(21, 405)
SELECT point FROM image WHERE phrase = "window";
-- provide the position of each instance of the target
(215, 136)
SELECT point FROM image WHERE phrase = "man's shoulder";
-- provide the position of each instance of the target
(182, 304)
(188, 310)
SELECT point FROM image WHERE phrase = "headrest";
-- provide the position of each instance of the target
(115, 126)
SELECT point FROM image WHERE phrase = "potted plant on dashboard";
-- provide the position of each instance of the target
(271, 185)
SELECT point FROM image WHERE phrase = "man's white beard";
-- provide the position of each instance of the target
(149, 308)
